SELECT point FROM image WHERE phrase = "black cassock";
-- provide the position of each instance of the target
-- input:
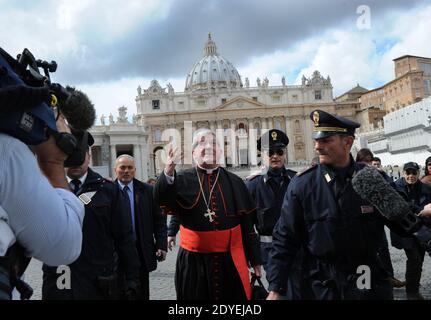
(209, 275)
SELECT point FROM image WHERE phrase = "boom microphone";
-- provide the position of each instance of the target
(370, 185)
(77, 109)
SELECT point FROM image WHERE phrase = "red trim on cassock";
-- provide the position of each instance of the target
(229, 240)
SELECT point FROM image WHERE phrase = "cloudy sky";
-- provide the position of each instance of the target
(107, 48)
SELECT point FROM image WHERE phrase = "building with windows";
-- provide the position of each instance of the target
(411, 84)
(216, 97)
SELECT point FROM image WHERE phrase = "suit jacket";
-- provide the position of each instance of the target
(150, 225)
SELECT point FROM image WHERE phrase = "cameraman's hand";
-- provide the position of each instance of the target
(48, 150)
(61, 124)
(51, 158)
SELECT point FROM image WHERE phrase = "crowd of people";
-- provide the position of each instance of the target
(309, 230)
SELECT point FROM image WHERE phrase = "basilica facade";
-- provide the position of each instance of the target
(216, 97)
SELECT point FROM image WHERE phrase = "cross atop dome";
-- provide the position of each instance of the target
(210, 47)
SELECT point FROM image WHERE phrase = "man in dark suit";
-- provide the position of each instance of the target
(148, 222)
(107, 243)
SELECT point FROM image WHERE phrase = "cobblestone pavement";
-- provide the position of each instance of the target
(162, 280)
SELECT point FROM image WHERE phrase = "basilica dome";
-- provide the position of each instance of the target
(212, 71)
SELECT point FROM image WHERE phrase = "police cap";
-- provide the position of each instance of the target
(326, 125)
(272, 139)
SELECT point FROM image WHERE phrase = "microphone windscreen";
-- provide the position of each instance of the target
(370, 185)
(78, 110)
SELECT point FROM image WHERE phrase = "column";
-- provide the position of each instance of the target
(270, 123)
(309, 142)
(138, 160)
(145, 160)
(187, 142)
(252, 140)
(233, 144)
(220, 139)
(291, 146)
(91, 158)
(150, 154)
(264, 126)
(113, 158)
(212, 126)
(264, 123)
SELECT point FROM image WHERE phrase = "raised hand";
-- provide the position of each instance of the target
(174, 157)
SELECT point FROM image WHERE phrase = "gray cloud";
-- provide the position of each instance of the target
(241, 29)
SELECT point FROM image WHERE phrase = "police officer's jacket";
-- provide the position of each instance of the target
(268, 198)
(108, 243)
(337, 230)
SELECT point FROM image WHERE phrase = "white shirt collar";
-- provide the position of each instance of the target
(82, 179)
(209, 171)
(122, 185)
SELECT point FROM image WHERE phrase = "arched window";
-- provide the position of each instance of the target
(242, 128)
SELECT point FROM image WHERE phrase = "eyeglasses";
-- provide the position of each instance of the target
(279, 152)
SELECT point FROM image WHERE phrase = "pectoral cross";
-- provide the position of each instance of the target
(209, 215)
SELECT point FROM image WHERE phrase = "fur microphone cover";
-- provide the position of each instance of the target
(370, 185)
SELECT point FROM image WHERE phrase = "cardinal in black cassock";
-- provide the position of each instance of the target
(217, 239)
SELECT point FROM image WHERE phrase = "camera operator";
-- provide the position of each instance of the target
(38, 213)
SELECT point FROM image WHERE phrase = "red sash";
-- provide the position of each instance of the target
(219, 241)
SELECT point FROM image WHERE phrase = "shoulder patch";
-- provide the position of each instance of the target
(309, 169)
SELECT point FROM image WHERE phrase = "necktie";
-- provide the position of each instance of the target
(76, 184)
(129, 204)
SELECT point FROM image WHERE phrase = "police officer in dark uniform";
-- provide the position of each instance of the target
(269, 187)
(108, 243)
(337, 230)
